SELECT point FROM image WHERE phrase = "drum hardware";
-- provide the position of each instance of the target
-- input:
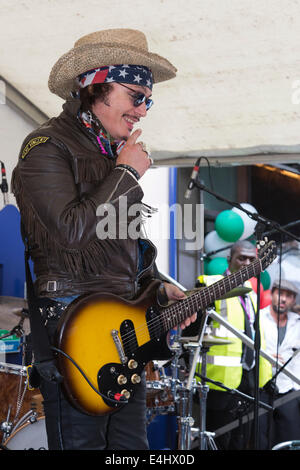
(206, 439)
(18, 329)
(22, 403)
(29, 435)
(6, 426)
(159, 396)
(9, 308)
(185, 419)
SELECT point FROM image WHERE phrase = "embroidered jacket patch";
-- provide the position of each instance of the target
(32, 143)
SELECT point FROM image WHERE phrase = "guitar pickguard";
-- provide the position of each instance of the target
(117, 381)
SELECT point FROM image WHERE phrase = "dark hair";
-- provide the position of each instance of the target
(241, 244)
(90, 94)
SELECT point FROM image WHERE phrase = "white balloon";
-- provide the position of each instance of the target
(249, 224)
(213, 242)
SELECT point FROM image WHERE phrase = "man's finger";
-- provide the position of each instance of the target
(134, 136)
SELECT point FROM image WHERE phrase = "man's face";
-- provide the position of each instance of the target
(282, 303)
(241, 257)
(118, 114)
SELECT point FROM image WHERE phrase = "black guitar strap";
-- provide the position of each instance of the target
(39, 336)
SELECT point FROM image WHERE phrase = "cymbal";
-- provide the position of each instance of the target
(236, 292)
(207, 340)
(9, 307)
(12, 302)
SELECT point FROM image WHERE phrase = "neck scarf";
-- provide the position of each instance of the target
(107, 144)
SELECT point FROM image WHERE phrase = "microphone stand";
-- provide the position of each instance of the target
(201, 251)
(262, 224)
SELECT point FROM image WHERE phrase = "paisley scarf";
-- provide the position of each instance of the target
(107, 144)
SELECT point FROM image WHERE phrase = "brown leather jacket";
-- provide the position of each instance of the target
(60, 180)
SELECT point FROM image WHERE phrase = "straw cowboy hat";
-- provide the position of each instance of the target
(108, 47)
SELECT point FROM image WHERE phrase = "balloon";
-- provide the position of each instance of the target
(265, 280)
(249, 224)
(229, 225)
(265, 298)
(216, 266)
(213, 242)
(253, 281)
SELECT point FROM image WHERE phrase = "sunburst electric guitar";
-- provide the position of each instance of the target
(104, 342)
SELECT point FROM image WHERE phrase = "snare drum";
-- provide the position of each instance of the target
(30, 436)
(15, 398)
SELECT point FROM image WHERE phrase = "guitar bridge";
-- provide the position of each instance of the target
(115, 337)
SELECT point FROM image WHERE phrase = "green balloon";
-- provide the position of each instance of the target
(229, 226)
(217, 266)
(265, 279)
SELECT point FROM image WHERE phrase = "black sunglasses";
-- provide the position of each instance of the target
(139, 98)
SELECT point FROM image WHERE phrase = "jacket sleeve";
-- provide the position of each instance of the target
(45, 189)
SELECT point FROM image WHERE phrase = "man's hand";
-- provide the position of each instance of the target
(133, 155)
(278, 358)
(174, 293)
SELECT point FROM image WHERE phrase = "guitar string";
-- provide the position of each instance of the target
(165, 322)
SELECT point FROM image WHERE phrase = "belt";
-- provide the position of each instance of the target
(54, 286)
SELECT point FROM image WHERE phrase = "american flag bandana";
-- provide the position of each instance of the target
(131, 74)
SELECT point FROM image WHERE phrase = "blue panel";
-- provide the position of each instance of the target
(162, 433)
(11, 253)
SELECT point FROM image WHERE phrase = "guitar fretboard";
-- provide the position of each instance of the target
(176, 313)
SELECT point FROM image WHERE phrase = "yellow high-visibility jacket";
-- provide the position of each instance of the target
(224, 361)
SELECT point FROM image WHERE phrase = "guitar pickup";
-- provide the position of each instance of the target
(119, 347)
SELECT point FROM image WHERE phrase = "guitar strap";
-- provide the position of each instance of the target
(39, 337)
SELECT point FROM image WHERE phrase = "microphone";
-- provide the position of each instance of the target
(4, 185)
(192, 179)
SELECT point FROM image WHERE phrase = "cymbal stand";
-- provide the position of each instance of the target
(206, 440)
(174, 365)
(185, 419)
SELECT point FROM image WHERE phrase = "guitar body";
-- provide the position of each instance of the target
(85, 335)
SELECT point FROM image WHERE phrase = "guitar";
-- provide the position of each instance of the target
(103, 342)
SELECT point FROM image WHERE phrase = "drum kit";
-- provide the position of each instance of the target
(170, 387)
(169, 393)
(22, 422)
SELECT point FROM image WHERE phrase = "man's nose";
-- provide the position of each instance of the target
(142, 110)
(283, 297)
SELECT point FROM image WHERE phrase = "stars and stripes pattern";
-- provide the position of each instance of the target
(130, 74)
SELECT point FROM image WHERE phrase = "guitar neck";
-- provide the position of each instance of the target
(179, 311)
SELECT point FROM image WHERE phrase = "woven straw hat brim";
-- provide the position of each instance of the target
(89, 56)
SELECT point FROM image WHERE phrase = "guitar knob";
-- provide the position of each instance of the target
(122, 380)
(132, 364)
(126, 394)
(135, 379)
